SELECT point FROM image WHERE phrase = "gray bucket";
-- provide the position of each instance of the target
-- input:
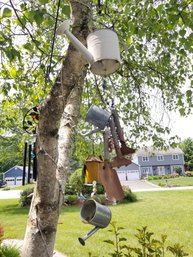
(98, 117)
(95, 214)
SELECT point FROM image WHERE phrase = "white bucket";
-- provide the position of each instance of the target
(103, 44)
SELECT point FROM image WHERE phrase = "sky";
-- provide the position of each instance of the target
(182, 126)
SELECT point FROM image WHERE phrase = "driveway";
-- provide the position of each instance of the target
(139, 185)
(9, 194)
(142, 186)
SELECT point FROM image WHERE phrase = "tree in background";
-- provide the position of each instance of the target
(11, 152)
(156, 50)
(187, 148)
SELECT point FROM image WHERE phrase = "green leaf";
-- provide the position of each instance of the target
(109, 242)
(43, 1)
(38, 17)
(7, 12)
(182, 32)
(182, 111)
(189, 93)
(13, 72)
(66, 10)
(23, 6)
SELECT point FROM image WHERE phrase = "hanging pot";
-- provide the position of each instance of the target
(95, 214)
(103, 49)
(98, 117)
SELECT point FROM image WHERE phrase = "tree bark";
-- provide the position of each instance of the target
(58, 117)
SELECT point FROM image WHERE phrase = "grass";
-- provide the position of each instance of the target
(181, 181)
(167, 212)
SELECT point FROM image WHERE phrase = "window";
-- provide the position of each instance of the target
(146, 170)
(145, 158)
(160, 158)
(175, 157)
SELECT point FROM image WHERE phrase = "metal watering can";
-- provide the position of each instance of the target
(98, 117)
(95, 214)
(103, 48)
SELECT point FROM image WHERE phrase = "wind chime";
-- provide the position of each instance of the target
(30, 122)
(103, 55)
(112, 136)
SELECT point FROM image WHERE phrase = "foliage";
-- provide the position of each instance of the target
(5, 250)
(188, 174)
(178, 170)
(11, 152)
(71, 199)
(6, 189)
(174, 182)
(173, 175)
(187, 148)
(129, 196)
(76, 184)
(9, 251)
(149, 246)
(76, 181)
(26, 197)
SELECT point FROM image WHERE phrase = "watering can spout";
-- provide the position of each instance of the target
(64, 29)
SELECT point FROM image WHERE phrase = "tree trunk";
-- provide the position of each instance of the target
(58, 117)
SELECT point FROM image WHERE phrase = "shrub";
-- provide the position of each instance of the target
(188, 174)
(5, 250)
(76, 185)
(174, 175)
(76, 181)
(26, 197)
(178, 170)
(71, 199)
(100, 198)
(148, 245)
(129, 196)
(6, 188)
(9, 251)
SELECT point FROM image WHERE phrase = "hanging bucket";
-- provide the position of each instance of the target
(103, 49)
(93, 167)
(98, 117)
(103, 44)
(95, 214)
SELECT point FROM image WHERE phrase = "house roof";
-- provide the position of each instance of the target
(151, 151)
(14, 167)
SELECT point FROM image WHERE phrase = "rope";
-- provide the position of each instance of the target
(53, 41)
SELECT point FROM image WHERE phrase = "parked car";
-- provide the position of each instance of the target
(3, 183)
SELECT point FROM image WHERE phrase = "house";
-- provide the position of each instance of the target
(150, 162)
(153, 162)
(130, 172)
(14, 176)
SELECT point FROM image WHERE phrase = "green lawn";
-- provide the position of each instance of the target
(181, 181)
(167, 212)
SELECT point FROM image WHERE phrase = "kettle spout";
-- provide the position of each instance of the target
(64, 29)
